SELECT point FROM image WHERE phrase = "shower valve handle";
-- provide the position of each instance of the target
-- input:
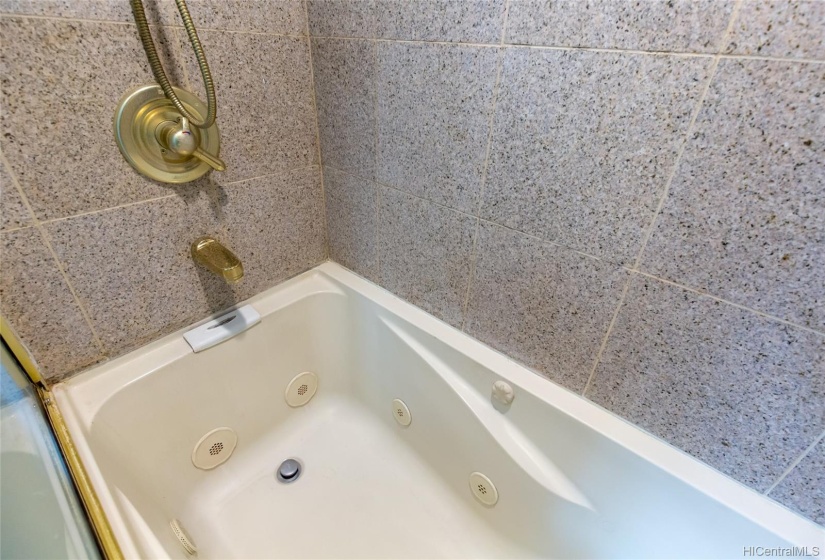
(214, 161)
(180, 139)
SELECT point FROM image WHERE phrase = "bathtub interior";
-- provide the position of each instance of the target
(370, 487)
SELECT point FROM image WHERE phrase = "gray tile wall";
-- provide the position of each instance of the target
(95, 257)
(627, 197)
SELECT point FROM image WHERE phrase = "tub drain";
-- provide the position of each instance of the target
(184, 539)
(289, 471)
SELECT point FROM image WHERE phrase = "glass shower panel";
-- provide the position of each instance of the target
(40, 514)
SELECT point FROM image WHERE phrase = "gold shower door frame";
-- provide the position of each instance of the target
(100, 523)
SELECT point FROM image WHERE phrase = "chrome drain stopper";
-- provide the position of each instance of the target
(289, 471)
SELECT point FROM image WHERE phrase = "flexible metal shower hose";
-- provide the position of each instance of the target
(160, 74)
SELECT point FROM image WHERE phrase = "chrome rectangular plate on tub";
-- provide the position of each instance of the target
(222, 328)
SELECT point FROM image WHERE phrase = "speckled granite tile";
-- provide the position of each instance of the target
(544, 305)
(803, 490)
(266, 113)
(745, 216)
(779, 28)
(13, 212)
(424, 253)
(36, 300)
(66, 159)
(434, 104)
(673, 26)
(468, 21)
(732, 388)
(584, 142)
(341, 18)
(351, 204)
(275, 225)
(12, 6)
(345, 97)
(132, 270)
(156, 11)
(276, 17)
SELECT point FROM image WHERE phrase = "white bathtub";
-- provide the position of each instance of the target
(574, 481)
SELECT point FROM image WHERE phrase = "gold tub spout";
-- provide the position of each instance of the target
(207, 251)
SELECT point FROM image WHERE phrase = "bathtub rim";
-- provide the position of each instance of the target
(80, 397)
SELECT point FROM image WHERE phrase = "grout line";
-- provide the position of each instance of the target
(373, 180)
(662, 199)
(520, 46)
(37, 224)
(688, 132)
(450, 208)
(732, 304)
(795, 463)
(83, 310)
(378, 224)
(734, 16)
(245, 32)
(351, 172)
(676, 163)
(11, 15)
(505, 22)
(271, 174)
(606, 337)
(174, 194)
(553, 243)
(317, 131)
(470, 276)
(594, 257)
(490, 123)
(20, 193)
(771, 58)
(10, 230)
(584, 49)
(469, 215)
(101, 210)
(451, 43)
(176, 26)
